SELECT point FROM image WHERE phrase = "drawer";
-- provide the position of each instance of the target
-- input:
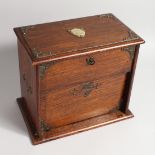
(78, 102)
(84, 68)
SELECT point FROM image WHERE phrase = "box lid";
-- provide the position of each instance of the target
(62, 39)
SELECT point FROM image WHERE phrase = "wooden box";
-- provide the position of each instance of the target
(75, 74)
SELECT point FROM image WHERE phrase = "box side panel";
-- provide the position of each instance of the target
(28, 76)
(129, 79)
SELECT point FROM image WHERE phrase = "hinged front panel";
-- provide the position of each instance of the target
(76, 89)
(84, 68)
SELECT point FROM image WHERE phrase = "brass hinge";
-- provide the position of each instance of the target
(40, 54)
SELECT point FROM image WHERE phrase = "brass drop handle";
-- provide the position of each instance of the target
(90, 61)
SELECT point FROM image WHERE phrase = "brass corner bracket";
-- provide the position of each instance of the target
(131, 50)
(108, 16)
(25, 29)
(131, 36)
(44, 127)
(43, 67)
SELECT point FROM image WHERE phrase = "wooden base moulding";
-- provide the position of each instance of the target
(73, 128)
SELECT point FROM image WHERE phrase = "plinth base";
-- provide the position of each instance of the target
(70, 129)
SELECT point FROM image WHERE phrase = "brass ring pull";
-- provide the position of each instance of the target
(90, 61)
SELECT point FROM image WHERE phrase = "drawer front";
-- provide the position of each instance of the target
(70, 104)
(83, 68)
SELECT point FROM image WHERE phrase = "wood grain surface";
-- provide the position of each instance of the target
(71, 84)
(29, 86)
(53, 41)
(75, 103)
(69, 71)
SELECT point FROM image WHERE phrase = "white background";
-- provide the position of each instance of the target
(133, 136)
